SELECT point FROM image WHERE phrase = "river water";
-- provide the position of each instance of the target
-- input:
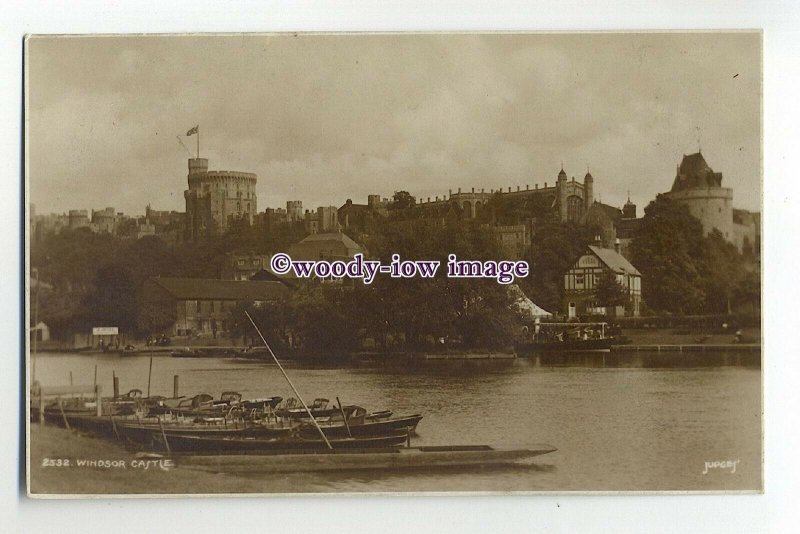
(615, 428)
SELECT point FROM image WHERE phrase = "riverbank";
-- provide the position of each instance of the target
(676, 336)
(67, 462)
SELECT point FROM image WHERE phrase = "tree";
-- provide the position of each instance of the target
(721, 270)
(153, 318)
(402, 200)
(555, 246)
(112, 302)
(665, 249)
(471, 311)
(610, 292)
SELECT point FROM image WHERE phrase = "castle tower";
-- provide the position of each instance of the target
(215, 198)
(588, 191)
(198, 165)
(294, 210)
(561, 191)
(699, 188)
(629, 209)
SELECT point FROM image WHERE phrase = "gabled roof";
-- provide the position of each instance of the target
(614, 260)
(213, 289)
(332, 236)
(613, 213)
(266, 275)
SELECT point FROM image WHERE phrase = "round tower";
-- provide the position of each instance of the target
(294, 210)
(699, 188)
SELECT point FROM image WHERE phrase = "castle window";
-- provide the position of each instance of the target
(574, 208)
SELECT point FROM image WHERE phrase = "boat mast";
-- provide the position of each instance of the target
(316, 424)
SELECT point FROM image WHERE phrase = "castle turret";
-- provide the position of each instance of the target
(294, 210)
(588, 191)
(561, 191)
(629, 209)
(198, 165)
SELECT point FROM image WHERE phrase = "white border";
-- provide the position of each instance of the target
(731, 513)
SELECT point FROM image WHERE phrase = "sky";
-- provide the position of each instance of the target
(326, 118)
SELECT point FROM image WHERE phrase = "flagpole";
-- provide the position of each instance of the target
(198, 142)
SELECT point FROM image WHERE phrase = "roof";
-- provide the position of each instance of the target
(213, 289)
(524, 305)
(598, 210)
(694, 173)
(332, 236)
(266, 275)
(614, 260)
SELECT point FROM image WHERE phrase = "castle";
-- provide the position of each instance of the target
(699, 188)
(572, 199)
(216, 198)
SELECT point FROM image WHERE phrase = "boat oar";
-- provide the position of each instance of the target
(344, 418)
(149, 376)
(316, 424)
(61, 407)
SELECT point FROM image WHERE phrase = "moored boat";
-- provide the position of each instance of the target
(565, 337)
(393, 458)
(228, 444)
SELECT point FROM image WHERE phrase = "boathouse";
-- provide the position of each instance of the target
(182, 306)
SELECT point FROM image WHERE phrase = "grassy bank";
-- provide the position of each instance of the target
(676, 336)
(49, 444)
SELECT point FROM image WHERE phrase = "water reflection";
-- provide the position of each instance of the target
(617, 425)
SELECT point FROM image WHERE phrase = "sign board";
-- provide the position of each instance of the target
(105, 331)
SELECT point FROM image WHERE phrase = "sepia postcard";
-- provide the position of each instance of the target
(302, 263)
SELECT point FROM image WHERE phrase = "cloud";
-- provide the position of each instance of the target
(324, 118)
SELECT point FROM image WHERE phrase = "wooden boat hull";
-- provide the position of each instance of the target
(184, 443)
(364, 429)
(465, 456)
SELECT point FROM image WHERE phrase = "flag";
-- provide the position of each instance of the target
(195, 130)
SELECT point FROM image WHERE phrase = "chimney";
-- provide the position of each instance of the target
(597, 241)
(616, 245)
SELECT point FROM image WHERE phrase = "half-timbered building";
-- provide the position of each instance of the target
(581, 283)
